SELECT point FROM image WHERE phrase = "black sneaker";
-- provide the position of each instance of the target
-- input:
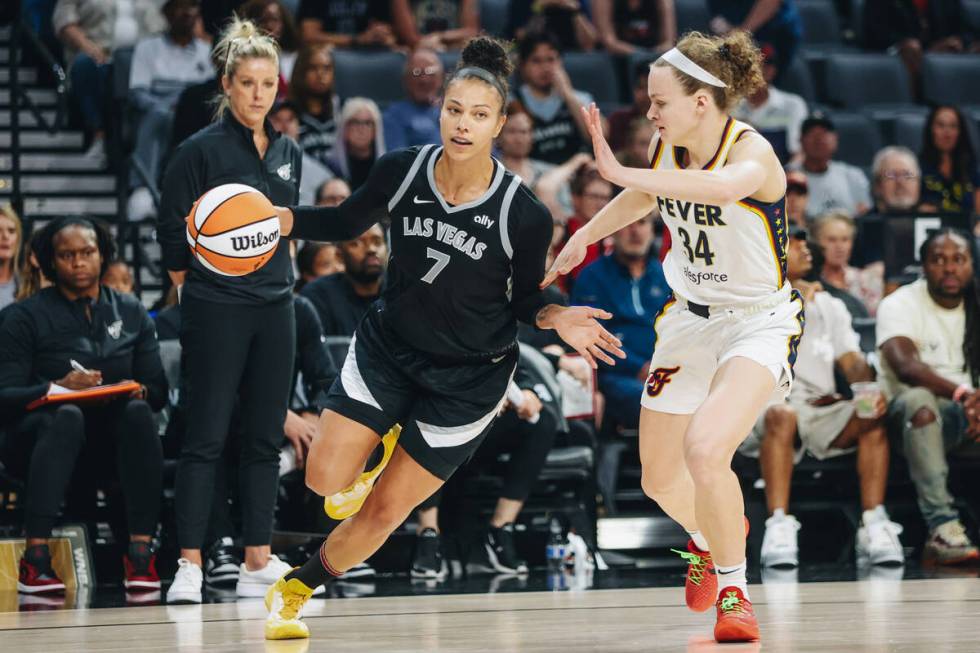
(429, 563)
(501, 555)
(360, 570)
(222, 564)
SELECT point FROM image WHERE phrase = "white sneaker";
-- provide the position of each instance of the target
(186, 587)
(140, 205)
(779, 546)
(96, 153)
(877, 539)
(256, 583)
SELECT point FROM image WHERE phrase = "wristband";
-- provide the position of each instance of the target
(961, 391)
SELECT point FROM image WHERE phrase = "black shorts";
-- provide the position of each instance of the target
(445, 410)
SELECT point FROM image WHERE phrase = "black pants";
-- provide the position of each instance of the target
(46, 445)
(233, 351)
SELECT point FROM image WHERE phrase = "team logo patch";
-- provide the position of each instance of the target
(285, 171)
(115, 329)
(659, 378)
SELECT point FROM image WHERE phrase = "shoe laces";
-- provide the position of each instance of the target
(782, 532)
(292, 604)
(731, 603)
(697, 565)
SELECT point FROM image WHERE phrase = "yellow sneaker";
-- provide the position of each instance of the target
(284, 601)
(347, 502)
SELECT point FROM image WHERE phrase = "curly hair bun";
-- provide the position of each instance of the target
(487, 53)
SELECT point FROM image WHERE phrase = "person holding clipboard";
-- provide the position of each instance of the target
(55, 347)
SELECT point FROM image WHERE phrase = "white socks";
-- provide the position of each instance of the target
(699, 540)
(876, 514)
(732, 576)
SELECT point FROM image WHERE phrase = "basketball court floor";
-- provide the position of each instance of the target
(881, 613)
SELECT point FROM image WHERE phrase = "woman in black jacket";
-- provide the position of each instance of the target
(237, 333)
(75, 335)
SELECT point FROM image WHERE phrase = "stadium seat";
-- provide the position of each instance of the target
(821, 27)
(858, 138)
(951, 79)
(691, 15)
(866, 81)
(449, 60)
(797, 79)
(375, 75)
(594, 73)
(908, 131)
(493, 16)
(893, 122)
(972, 10)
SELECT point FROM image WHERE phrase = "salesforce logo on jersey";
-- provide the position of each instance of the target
(697, 276)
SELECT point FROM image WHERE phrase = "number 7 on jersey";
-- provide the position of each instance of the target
(442, 260)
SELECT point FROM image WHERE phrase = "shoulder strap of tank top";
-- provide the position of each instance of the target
(738, 130)
(410, 175)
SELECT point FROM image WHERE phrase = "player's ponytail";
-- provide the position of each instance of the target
(242, 39)
(734, 59)
(486, 59)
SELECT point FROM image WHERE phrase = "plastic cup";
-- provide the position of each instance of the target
(865, 399)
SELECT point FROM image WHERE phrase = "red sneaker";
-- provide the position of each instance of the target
(736, 619)
(38, 577)
(140, 565)
(701, 584)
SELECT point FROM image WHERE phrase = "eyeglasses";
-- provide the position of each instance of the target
(428, 71)
(903, 175)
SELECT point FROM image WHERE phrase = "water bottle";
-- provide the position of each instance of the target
(557, 545)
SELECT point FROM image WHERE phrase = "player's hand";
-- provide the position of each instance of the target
(531, 406)
(605, 160)
(300, 434)
(579, 327)
(568, 258)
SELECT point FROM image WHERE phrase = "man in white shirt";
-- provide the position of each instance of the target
(930, 380)
(819, 421)
(162, 67)
(832, 184)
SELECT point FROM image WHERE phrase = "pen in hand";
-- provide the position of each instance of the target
(75, 365)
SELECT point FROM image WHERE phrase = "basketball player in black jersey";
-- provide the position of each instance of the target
(437, 351)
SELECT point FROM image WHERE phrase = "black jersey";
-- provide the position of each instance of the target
(459, 277)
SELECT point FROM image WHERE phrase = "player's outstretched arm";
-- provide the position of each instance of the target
(579, 327)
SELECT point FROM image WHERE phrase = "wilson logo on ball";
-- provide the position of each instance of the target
(233, 230)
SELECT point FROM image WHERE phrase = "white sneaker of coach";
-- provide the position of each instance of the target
(779, 544)
(252, 584)
(188, 580)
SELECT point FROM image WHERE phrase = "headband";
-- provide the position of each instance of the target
(483, 74)
(679, 60)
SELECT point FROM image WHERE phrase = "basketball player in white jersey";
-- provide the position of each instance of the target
(726, 341)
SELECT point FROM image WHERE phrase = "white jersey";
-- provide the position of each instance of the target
(722, 255)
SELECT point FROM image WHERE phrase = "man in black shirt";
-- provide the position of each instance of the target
(342, 299)
(76, 335)
(346, 23)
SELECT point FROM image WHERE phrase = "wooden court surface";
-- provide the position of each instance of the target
(866, 616)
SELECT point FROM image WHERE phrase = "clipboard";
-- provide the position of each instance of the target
(58, 394)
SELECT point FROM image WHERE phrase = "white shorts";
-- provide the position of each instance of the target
(689, 349)
(816, 426)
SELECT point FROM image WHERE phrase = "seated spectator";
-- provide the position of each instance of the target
(635, 152)
(415, 120)
(91, 30)
(896, 180)
(855, 306)
(11, 238)
(118, 276)
(621, 119)
(950, 178)
(929, 368)
(912, 28)
(547, 95)
(332, 192)
(834, 234)
(439, 26)
(526, 430)
(112, 336)
(832, 184)
(590, 192)
(819, 421)
(315, 260)
(514, 144)
(777, 114)
(163, 66)
(273, 17)
(361, 141)
(284, 117)
(625, 25)
(312, 91)
(31, 279)
(630, 284)
(797, 196)
(568, 20)
(195, 108)
(778, 24)
(346, 23)
(341, 299)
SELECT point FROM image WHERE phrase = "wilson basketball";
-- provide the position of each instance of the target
(233, 230)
